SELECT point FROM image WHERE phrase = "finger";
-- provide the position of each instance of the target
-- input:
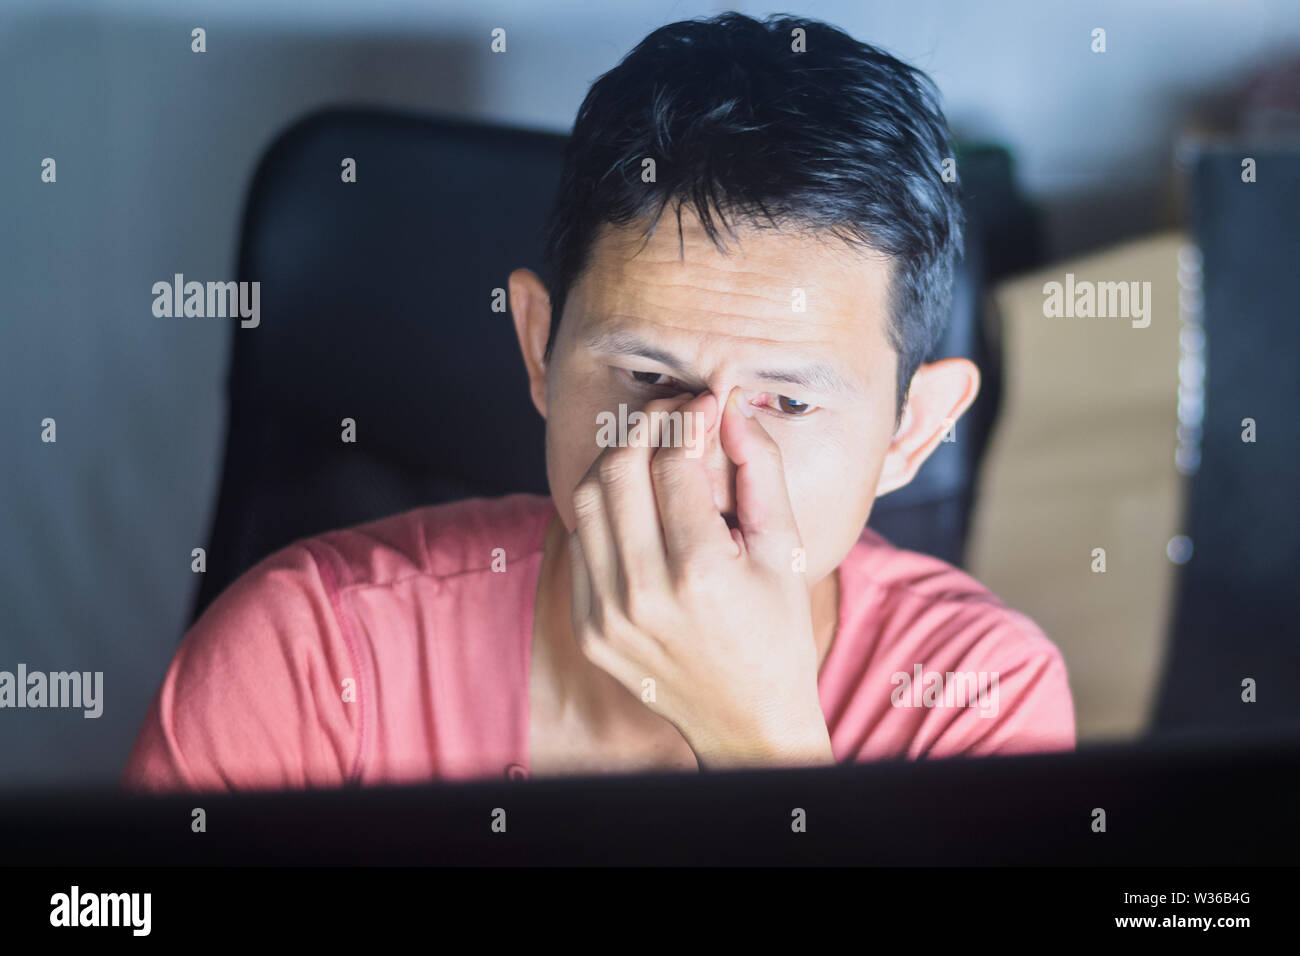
(593, 530)
(763, 508)
(624, 475)
(610, 655)
(692, 524)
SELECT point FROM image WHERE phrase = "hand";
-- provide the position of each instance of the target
(716, 617)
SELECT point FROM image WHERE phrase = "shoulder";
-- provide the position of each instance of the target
(438, 541)
(926, 603)
(247, 701)
(257, 694)
(910, 618)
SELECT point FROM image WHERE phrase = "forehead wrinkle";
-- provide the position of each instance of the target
(805, 328)
(730, 276)
(776, 298)
(721, 296)
(620, 338)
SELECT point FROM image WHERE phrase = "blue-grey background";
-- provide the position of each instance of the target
(155, 147)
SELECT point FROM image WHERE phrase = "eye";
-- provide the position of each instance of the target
(792, 406)
(788, 407)
(651, 379)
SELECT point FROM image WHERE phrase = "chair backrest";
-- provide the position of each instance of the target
(376, 306)
(1234, 616)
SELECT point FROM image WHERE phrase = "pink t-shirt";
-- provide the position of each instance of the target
(398, 651)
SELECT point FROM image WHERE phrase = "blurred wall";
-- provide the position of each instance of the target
(155, 146)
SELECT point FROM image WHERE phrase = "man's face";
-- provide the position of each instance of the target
(657, 322)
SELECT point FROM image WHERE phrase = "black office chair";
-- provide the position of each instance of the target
(376, 306)
(1234, 610)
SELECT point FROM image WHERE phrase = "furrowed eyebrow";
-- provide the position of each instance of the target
(817, 377)
(625, 343)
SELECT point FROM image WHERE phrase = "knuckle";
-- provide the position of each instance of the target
(667, 464)
(614, 467)
(586, 498)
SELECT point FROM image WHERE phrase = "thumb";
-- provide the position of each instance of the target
(763, 508)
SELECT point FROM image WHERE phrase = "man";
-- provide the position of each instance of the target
(690, 597)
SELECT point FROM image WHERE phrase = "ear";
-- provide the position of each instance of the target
(939, 394)
(530, 304)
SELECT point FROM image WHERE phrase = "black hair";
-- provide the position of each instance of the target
(841, 138)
